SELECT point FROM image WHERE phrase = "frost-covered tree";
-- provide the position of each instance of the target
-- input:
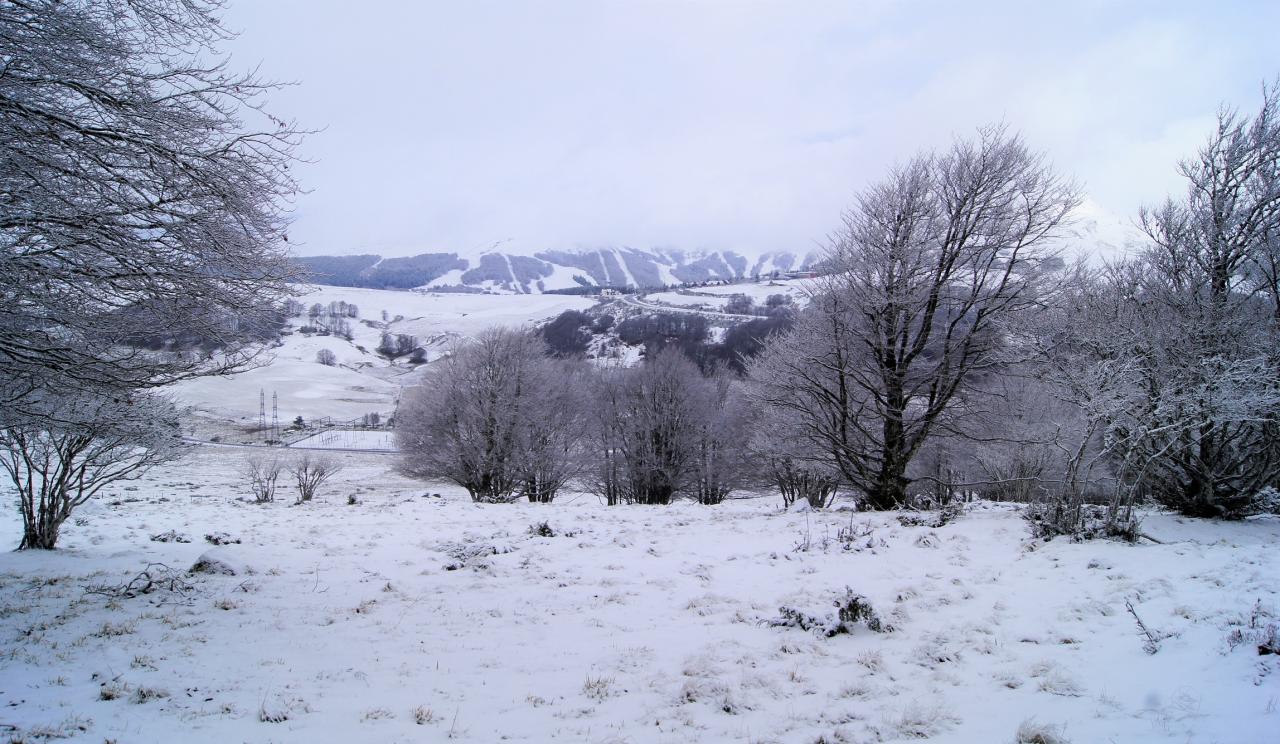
(144, 187)
(496, 416)
(797, 466)
(59, 451)
(928, 265)
(310, 472)
(721, 428)
(650, 419)
(551, 432)
(1201, 327)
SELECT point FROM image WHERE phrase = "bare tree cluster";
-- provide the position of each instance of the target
(309, 472)
(664, 429)
(497, 417)
(394, 346)
(950, 352)
(1188, 331)
(504, 419)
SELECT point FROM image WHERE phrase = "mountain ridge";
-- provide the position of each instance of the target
(558, 270)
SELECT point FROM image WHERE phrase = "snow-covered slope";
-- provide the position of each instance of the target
(362, 381)
(505, 268)
(407, 617)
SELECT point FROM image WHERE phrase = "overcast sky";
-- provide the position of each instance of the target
(737, 125)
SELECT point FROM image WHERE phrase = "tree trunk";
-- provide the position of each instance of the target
(39, 530)
(890, 488)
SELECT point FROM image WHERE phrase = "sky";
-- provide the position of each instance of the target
(747, 126)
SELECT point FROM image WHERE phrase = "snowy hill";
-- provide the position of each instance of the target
(361, 381)
(503, 268)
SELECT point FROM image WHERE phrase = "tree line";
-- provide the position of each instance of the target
(948, 351)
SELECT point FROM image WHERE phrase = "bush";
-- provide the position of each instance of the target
(261, 474)
(310, 472)
(799, 481)
(740, 304)
(851, 610)
(1052, 516)
(565, 335)
(61, 451)
(1032, 732)
(326, 357)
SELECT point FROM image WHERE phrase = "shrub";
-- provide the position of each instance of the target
(310, 472)
(1032, 732)
(740, 304)
(1071, 516)
(261, 474)
(565, 335)
(851, 610)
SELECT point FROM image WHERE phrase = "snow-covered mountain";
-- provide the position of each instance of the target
(548, 270)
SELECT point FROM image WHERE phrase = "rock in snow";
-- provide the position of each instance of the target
(220, 561)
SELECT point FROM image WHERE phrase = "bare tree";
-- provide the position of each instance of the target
(71, 447)
(310, 472)
(465, 423)
(721, 428)
(648, 425)
(261, 472)
(144, 188)
(553, 429)
(1204, 326)
(606, 475)
(326, 357)
(928, 264)
(397, 345)
(790, 461)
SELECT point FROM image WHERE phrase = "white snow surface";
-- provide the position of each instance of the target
(362, 382)
(632, 624)
(760, 291)
(345, 439)
(687, 300)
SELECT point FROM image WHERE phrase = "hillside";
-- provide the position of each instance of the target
(416, 615)
(361, 381)
(542, 271)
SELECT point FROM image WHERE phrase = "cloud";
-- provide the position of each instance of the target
(745, 125)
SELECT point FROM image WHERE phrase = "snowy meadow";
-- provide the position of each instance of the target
(414, 614)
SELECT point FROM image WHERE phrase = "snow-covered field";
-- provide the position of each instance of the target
(760, 291)
(411, 616)
(714, 297)
(346, 439)
(361, 382)
(687, 300)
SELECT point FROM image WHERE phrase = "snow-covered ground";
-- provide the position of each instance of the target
(361, 382)
(687, 300)
(714, 297)
(411, 616)
(760, 291)
(347, 439)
